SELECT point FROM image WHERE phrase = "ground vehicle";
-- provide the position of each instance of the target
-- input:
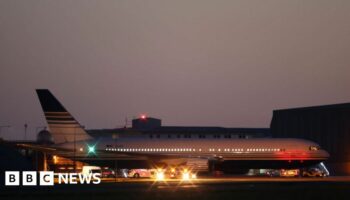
(108, 173)
(144, 173)
(161, 174)
(91, 169)
(314, 172)
(172, 173)
(289, 172)
(180, 173)
(273, 173)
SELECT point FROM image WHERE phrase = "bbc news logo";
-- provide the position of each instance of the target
(47, 178)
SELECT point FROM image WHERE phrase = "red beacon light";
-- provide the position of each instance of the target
(143, 116)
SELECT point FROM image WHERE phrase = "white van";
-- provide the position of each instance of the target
(141, 173)
(91, 169)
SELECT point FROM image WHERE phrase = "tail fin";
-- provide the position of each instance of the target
(62, 125)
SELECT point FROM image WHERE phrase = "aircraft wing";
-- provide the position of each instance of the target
(42, 148)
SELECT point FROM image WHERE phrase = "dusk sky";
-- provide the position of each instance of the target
(189, 62)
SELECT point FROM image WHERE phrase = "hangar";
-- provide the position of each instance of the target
(328, 125)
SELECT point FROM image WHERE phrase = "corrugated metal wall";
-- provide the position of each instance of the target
(329, 126)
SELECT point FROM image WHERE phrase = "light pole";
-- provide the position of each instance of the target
(74, 155)
(6, 126)
(25, 131)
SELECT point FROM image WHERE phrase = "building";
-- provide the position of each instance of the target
(152, 128)
(328, 125)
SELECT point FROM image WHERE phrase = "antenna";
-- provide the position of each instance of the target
(126, 122)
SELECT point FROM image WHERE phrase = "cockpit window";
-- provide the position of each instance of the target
(314, 148)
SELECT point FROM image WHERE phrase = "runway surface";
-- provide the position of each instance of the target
(237, 179)
(202, 188)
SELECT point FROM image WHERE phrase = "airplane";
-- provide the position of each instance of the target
(252, 153)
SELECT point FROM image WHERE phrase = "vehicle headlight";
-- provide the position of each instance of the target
(186, 176)
(193, 176)
(160, 176)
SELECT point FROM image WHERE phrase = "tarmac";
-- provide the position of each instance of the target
(239, 187)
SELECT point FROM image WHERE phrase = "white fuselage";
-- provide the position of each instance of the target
(226, 149)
